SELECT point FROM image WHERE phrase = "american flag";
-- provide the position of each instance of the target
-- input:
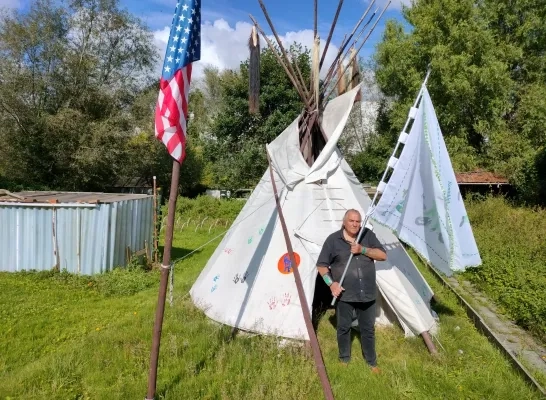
(183, 48)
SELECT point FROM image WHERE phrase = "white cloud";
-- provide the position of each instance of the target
(225, 46)
(10, 4)
(395, 4)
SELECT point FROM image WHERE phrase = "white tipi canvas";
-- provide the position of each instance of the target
(248, 282)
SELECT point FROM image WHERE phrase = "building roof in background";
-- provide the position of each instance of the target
(480, 177)
(53, 197)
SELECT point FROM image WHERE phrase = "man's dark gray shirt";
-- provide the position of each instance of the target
(359, 283)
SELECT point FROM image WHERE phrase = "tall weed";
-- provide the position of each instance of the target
(512, 244)
(207, 206)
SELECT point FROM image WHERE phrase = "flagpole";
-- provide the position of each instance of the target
(163, 283)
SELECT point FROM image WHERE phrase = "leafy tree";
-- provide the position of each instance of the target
(487, 82)
(69, 75)
(236, 154)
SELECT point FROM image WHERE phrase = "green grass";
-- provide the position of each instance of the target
(511, 241)
(64, 338)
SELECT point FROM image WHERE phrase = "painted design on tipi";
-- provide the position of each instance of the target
(285, 265)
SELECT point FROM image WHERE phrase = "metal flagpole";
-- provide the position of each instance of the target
(382, 184)
(163, 283)
(171, 123)
(155, 221)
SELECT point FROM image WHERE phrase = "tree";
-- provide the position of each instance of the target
(236, 155)
(487, 81)
(69, 75)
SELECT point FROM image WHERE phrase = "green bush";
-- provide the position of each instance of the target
(207, 206)
(513, 251)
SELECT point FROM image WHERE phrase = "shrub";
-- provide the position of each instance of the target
(511, 244)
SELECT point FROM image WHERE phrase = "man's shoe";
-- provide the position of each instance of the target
(376, 370)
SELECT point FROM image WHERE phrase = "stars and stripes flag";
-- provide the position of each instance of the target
(183, 48)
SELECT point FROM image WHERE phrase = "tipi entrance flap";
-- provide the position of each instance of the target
(286, 156)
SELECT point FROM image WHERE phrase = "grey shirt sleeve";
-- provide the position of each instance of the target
(326, 258)
(373, 242)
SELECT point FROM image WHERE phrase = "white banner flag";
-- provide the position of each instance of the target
(422, 202)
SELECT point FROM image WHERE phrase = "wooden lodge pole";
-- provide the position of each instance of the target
(286, 65)
(319, 362)
(340, 4)
(358, 50)
(163, 283)
(156, 234)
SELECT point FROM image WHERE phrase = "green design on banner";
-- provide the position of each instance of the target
(402, 203)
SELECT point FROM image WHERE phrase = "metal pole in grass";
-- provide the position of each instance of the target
(163, 283)
(156, 235)
(171, 127)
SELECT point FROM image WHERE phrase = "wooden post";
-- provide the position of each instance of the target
(319, 363)
(428, 341)
(163, 283)
(156, 234)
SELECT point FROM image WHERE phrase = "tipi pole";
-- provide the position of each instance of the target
(319, 362)
(340, 63)
(288, 71)
(346, 42)
(381, 183)
(428, 341)
(360, 47)
(163, 283)
(331, 33)
(315, 26)
(283, 51)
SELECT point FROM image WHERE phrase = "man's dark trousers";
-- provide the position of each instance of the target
(365, 313)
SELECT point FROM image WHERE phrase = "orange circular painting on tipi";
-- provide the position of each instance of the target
(285, 265)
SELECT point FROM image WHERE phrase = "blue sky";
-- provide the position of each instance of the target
(287, 15)
(226, 24)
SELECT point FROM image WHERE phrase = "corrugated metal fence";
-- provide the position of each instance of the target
(85, 240)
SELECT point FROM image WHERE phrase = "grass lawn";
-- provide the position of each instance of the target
(64, 337)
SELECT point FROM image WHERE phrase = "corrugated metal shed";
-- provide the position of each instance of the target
(84, 233)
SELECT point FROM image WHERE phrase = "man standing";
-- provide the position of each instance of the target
(359, 288)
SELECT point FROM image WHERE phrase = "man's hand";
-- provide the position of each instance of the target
(336, 289)
(356, 248)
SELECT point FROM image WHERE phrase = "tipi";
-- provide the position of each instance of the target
(248, 282)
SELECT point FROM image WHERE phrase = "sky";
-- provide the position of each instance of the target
(226, 25)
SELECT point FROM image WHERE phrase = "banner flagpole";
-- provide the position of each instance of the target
(382, 184)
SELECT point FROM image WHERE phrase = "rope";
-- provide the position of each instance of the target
(217, 236)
